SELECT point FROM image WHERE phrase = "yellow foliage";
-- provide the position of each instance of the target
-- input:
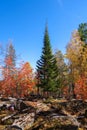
(76, 54)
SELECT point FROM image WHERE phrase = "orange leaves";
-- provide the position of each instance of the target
(81, 88)
(25, 75)
(24, 79)
(77, 63)
(8, 61)
(17, 82)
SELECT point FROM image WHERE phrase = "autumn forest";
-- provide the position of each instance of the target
(56, 75)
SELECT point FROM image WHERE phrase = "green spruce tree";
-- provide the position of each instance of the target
(82, 29)
(46, 67)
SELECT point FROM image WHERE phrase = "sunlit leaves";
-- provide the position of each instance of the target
(76, 54)
(17, 82)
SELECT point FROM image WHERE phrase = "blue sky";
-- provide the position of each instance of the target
(23, 22)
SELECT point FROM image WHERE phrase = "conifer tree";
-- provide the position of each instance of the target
(46, 67)
(82, 29)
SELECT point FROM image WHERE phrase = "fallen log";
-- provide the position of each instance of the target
(72, 118)
(8, 117)
(12, 128)
(12, 115)
(25, 121)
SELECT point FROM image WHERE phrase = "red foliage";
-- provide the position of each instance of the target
(17, 82)
(25, 79)
(81, 88)
(65, 91)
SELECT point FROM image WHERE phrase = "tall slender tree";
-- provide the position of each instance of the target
(62, 70)
(46, 67)
(11, 57)
(10, 52)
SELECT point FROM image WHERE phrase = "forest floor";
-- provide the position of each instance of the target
(43, 114)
